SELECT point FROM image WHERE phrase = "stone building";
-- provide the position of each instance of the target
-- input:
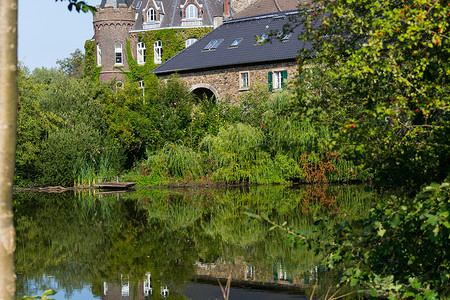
(119, 23)
(239, 53)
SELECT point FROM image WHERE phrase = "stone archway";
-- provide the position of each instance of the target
(201, 90)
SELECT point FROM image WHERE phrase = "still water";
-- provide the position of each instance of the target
(177, 244)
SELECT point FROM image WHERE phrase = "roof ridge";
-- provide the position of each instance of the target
(263, 16)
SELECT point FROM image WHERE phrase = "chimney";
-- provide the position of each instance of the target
(218, 20)
(226, 9)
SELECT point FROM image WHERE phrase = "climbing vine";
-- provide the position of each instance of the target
(91, 70)
(173, 41)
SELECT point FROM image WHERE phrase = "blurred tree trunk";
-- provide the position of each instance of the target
(8, 124)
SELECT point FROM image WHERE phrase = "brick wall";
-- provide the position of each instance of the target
(226, 83)
(111, 25)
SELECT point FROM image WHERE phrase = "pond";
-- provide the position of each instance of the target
(177, 243)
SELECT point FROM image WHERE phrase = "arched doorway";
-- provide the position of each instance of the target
(204, 90)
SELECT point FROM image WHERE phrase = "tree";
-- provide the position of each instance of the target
(8, 125)
(378, 73)
(72, 65)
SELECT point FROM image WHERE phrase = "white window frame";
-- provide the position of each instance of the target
(157, 52)
(244, 79)
(277, 80)
(99, 56)
(118, 53)
(151, 15)
(189, 42)
(140, 57)
(191, 12)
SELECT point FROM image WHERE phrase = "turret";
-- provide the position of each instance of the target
(112, 23)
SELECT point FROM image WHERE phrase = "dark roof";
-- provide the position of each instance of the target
(260, 7)
(115, 3)
(246, 52)
(172, 12)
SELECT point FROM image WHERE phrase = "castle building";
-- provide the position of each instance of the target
(119, 23)
(240, 53)
(129, 33)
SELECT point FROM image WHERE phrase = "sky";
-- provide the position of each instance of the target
(48, 31)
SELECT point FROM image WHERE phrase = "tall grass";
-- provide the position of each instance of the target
(174, 160)
(237, 156)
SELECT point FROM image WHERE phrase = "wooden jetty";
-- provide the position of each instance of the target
(114, 185)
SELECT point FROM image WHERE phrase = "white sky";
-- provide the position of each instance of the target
(48, 31)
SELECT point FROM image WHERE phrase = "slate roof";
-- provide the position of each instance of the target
(260, 7)
(172, 12)
(115, 3)
(247, 52)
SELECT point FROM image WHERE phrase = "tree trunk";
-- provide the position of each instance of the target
(8, 125)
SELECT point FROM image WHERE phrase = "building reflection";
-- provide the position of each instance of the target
(277, 277)
(126, 290)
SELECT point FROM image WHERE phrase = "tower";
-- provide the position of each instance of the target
(112, 23)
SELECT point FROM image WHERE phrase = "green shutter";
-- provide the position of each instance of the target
(284, 78)
(270, 81)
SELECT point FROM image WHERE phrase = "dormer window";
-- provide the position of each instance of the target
(189, 42)
(140, 53)
(151, 15)
(118, 53)
(191, 12)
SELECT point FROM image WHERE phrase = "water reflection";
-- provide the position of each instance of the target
(176, 244)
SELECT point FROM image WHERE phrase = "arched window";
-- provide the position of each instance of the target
(191, 12)
(151, 15)
(157, 52)
(99, 55)
(189, 42)
(140, 53)
(118, 53)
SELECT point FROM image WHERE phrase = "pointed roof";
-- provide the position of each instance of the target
(261, 7)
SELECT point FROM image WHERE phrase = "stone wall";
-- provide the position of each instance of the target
(226, 83)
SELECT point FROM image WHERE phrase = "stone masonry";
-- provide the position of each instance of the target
(226, 83)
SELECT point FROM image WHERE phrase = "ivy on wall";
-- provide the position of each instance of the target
(91, 69)
(173, 41)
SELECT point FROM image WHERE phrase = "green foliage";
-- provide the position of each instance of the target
(61, 132)
(73, 66)
(378, 76)
(176, 161)
(401, 249)
(236, 155)
(44, 295)
(173, 41)
(80, 6)
(91, 70)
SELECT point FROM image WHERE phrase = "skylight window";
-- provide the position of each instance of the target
(207, 47)
(262, 38)
(286, 37)
(216, 44)
(236, 42)
(213, 44)
(139, 5)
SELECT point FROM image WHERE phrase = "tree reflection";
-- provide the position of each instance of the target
(172, 237)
